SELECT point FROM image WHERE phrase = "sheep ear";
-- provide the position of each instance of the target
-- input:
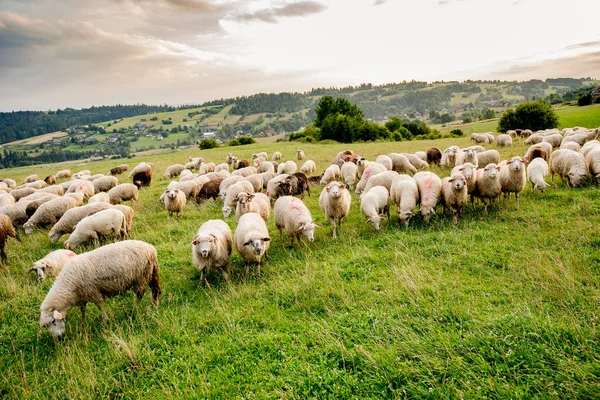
(32, 269)
(57, 315)
(213, 237)
(195, 240)
(450, 180)
(498, 168)
(369, 219)
(250, 197)
(342, 186)
(301, 228)
(461, 169)
(327, 188)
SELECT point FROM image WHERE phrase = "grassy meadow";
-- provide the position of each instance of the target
(503, 306)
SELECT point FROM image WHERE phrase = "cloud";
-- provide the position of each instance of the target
(273, 14)
(583, 45)
(380, 2)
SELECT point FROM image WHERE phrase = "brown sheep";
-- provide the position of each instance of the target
(243, 164)
(535, 153)
(434, 155)
(295, 184)
(143, 178)
(6, 230)
(210, 190)
(50, 180)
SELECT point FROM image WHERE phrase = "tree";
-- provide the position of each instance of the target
(534, 115)
(329, 106)
(208, 144)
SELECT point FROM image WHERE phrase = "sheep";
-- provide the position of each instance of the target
(173, 170)
(348, 174)
(490, 136)
(416, 161)
(592, 161)
(370, 170)
(211, 248)
(253, 202)
(6, 230)
(384, 179)
(449, 156)
(229, 159)
(49, 213)
(586, 148)
(480, 138)
(141, 167)
(52, 263)
(288, 167)
(434, 155)
(295, 184)
(276, 156)
(332, 173)
(513, 177)
(210, 190)
(143, 178)
(50, 180)
(579, 138)
(200, 181)
(299, 155)
(266, 177)
(110, 222)
(467, 156)
(273, 191)
(78, 197)
(101, 197)
(37, 184)
(537, 151)
(87, 188)
(401, 164)
(488, 186)
(82, 174)
(105, 183)
(17, 194)
(220, 174)
(469, 172)
(54, 189)
(534, 139)
(174, 201)
(31, 178)
(11, 183)
(430, 186)
(99, 274)
(252, 240)
(119, 170)
(555, 139)
(189, 188)
(64, 174)
(129, 213)
(361, 164)
(309, 167)
(525, 133)
(6, 199)
(488, 157)
(384, 160)
(454, 195)
(244, 172)
(230, 200)
(238, 164)
(67, 223)
(477, 149)
(186, 172)
(222, 167)
(537, 170)
(35, 204)
(335, 203)
(421, 155)
(504, 140)
(257, 160)
(94, 177)
(194, 163)
(123, 192)
(568, 164)
(374, 204)
(206, 168)
(294, 217)
(405, 194)
(228, 182)
(266, 166)
(570, 145)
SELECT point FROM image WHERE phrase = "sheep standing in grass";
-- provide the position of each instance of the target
(299, 155)
(253, 202)
(101, 197)
(430, 186)
(331, 174)
(174, 201)
(123, 192)
(386, 161)
(244, 172)
(335, 203)
(105, 183)
(405, 194)
(276, 156)
(67, 223)
(348, 174)
(536, 151)
(488, 186)
(294, 217)
(54, 189)
(229, 203)
(64, 174)
(256, 182)
(211, 248)
(416, 162)
(35, 204)
(210, 190)
(49, 213)
(592, 161)
(469, 171)
(384, 179)
(454, 195)
(18, 194)
(371, 170)
(488, 157)
(401, 164)
(571, 146)
(273, 191)
(6, 199)
(226, 183)
(173, 171)
(6, 230)
(52, 263)
(434, 155)
(266, 166)
(568, 164)
(288, 167)
(467, 156)
(252, 240)
(374, 204)
(537, 170)
(449, 156)
(31, 178)
(102, 273)
(116, 170)
(308, 168)
(513, 178)
(504, 140)
(110, 222)
(421, 155)
(554, 139)
(16, 212)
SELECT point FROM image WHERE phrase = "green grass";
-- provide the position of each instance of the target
(504, 306)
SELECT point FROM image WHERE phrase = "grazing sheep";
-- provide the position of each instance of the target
(174, 201)
(579, 138)
(54, 189)
(276, 156)
(309, 167)
(94, 177)
(555, 139)
(294, 217)
(434, 155)
(101, 197)
(490, 136)
(229, 203)
(64, 174)
(6, 199)
(87, 188)
(266, 166)
(430, 186)
(416, 161)
(504, 140)
(386, 161)
(288, 167)
(50, 180)
(189, 188)
(592, 161)
(16, 212)
(273, 191)
(239, 164)
(31, 178)
(335, 204)
(348, 174)
(537, 151)
(467, 156)
(67, 223)
(421, 155)
(537, 170)
(210, 190)
(477, 149)
(129, 213)
(187, 174)
(294, 185)
(299, 155)
(401, 164)
(570, 145)
(173, 171)
(513, 177)
(141, 167)
(454, 195)
(449, 156)
(82, 174)
(228, 182)
(119, 170)
(49, 213)
(77, 196)
(257, 160)
(374, 204)
(568, 164)
(52, 263)
(37, 184)
(123, 192)
(244, 172)
(105, 183)
(208, 167)
(256, 182)
(142, 179)
(6, 230)
(211, 248)
(222, 167)
(586, 148)
(332, 173)
(266, 177)
(253, 202)
(17, 194)
(534, 139)
(371, 170)
(405, 194)
(384, 179)
(488, 157)
(252, 240)
(99, 274)
(106, 223)
(488, 186)
(35, 204)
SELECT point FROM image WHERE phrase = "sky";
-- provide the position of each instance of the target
(79, 53)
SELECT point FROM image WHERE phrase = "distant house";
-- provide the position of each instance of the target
(270, 132)
(208, 134)
(158, 137)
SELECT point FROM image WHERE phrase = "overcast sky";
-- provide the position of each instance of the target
(78, 53)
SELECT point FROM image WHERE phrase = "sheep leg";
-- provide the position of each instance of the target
(455, 217)
(308, 190)
(226, 276)
(3, 254)
(258, 269)
(485, 209)
(517, 197)
(332, 222)
(82, 307)
(100, 305)
(247, 265)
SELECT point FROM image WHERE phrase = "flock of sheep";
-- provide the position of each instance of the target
(394, 179)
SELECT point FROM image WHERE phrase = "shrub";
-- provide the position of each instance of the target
(233, 142)
(246, 140)
(534, 115)
(457, 133)
(208, 144)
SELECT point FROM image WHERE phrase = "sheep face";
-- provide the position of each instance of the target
(28, 228)
(55, 322)
(375, 221)
(40, 269)
(254, 156)
(576, 179)
(491, 171)
(467, 171)
(205, 244)
(226, 211)
(457, 182)
(259, 245)
(54, 238)
(406, 216)
(470, 154)
(308, 230)
(244, 200)
(335, 190)
(172, 193)
(516, 164)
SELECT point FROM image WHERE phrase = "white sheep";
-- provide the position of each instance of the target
(276, 156)
(67, 223)
(266, 177)
(266, 166)
(18, 194)
(253, 202)
(534, 139)
(252, 240)
(488, 157)
(101, 197)
(361, 164)
(37, 184)
(469, 171)
(449, 156)
(102, 273)
(586, 148)
(86, 187)
(488, 184)
(54, 189)
(123, 192)
(206, 168)
(405, 194)
(189, 188)
(225, 183)
(294, 217)
(332, 173)
(592, 161)
(49, 213)
(467, 155)
(384, 160)
(106, 223)
(6, 199)
(537, 170)
(222, 167)
(211, 248)
(384, 179)
(374, 204)
(555, 139)
(174, 201)
(348, 174)
(335, 203)
(416, 162)
(430, 186)
(174, 170)
(401, 164)
(52, 263)
(256, 181)
(31, 178)
(513, 178)
(454, 195)
(308, 168)
(504, 140)
(299, 155)
(571, 146)
(229, 203)
(105, 183)
(288, 167)
(568, 164)
(244, 172)
(371, 169)
(421, 155)
(64, 174)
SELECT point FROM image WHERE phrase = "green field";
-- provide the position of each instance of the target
(504, 306)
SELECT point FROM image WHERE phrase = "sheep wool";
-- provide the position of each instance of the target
(488, 186)
(513, 177)
(454, 195)
(52, 263)
(252, 240)
(174, 201)
(49, 213)
(430, 186)
(335, 203)
(348, 174)
(374, 204)
(568, 164)
(405, 194)
(211, 248)
(6, 230)
(123, 192)
(292, 215)
(106, 223)
(253, 202)
(537, 170)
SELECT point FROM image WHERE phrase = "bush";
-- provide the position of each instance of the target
(457, 133)
(329, 141)
(584, 100)
(208, 144)
(167, 121)
(534, 115)
(233, 142)
(246, 140)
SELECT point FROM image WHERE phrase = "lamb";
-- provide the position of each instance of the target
(211, 248)
(348, 174)
(592, 161)
(434, 155)
(513, 177)
(67, 223)
(123, 192)
(64, 174)
(555, 139)
(54, 189)
(537, 170)
(273, 191)
(449, 156)
(384, 160)
(504, 140)
(309, 167)
(110, 222)
(488, 157)
(454, 195)
(488, 186)
(467, 156)
(6, 199)
(384, 179)
(335, 204)
(174, 170)
(430, 186)
(299, 155)
(101, 197)
(416, 161)
(6, 230)
(253, 202)
(49, 213)
(228, 182)
(294, 217)
(288, 167)
(127, 265)
(119, 170)
(231, 195)
(568, 164)
(17, 194)
(210, 190)
(332, 173)
(244, 172)
(52, 263)
(294, 185)
(401, 164)
(31, 178)
(537, 151)
(570, 145)
(105, 183)
(252, 240)
(374, 204)
(370, 170)
(405, 194)
(266, 166)
(276, 156)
